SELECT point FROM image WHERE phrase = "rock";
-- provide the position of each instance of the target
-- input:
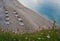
(31, 19)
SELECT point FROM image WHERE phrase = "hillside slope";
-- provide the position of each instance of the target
(31, 19)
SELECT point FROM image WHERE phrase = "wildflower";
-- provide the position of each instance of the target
(39, 38)
(48, 36)
(26, 37)
(41, 33)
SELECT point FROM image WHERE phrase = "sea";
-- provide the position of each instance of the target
(48, 8)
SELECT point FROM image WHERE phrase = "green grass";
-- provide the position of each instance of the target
(45, 35)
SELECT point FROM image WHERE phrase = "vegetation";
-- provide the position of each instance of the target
(54, 25)
(45, 35)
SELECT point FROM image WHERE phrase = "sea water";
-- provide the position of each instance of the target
(49, 8)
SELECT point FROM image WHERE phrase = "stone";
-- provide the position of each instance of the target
(31, 20)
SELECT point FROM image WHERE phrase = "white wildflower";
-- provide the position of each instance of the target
(41, 33)
(39, 38)
(48, 36)
(26, 37)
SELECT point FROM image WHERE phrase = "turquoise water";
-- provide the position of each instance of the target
(50, 9)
